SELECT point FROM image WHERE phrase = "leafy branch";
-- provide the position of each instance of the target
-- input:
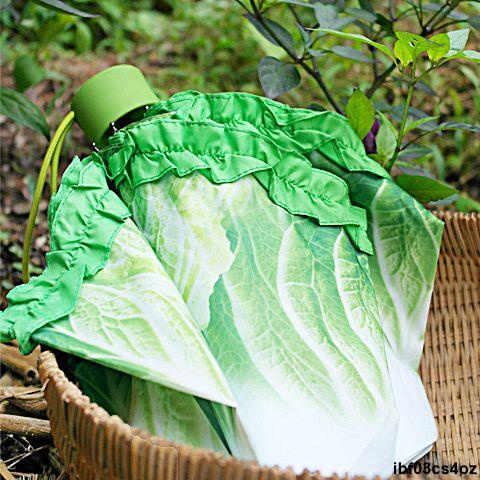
(291, 52)
(410, 53)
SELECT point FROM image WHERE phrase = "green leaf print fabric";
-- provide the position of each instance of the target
(104, 296)
(405, 237)
(149, 406)
(273, 259)
(261, 287)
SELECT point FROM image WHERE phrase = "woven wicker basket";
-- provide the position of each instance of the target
(95, 445)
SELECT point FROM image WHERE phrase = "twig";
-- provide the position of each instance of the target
(25, 366)
(447, 24)
(5, 473)
(17, 425)
(423, 134)
(242, 5)
(442, 13)
(316, 75)
(19, 392)
(392, 10)
(13, 461)
(25, 399)
(295, 14)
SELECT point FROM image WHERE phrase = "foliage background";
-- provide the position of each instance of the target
(205, 45)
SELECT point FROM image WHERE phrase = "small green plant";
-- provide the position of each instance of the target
(27, 69)
(389, 132)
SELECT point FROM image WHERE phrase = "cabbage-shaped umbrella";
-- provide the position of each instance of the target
(262, 259)
(104, 296)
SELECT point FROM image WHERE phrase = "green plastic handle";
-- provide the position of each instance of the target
(108, 96)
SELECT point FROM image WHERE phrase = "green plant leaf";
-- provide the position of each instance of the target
(474, 21)
(351, 54)
(299, 3)
(403, 52)
(327, 17)
(471, 55)
(27, 72)
(471, 75)
(386, 138)
(458, 126)
(467, 204)
(435, 54)
(415, 44)
(63, 7)
(22, 110)
(360, 113)
(412, 125)
(414, 152)
(360, 14)
(83, 37)
(317, 53)
(282, 34)
(277, 77)
(425, 189)
(360, 38)
(458, 40)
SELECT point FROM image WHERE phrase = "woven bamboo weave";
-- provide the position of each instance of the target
(95, 445)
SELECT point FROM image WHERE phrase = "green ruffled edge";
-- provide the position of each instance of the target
(147, 150)
(298, 128)
(84, 219)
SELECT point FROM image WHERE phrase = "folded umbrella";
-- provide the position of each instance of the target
(271, 258)
(105, 297)
(254, 302)
(405, 236)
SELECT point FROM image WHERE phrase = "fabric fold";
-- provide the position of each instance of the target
(84, 218)
(81, 303)
(327, 132)
(146, 151)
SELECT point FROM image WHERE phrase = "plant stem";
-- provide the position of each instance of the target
(404, 147)
(373, 53)
(447, 24)
(300, 61)
(391, 9)
(403, 123)
(425, 28)
(442, 13)
(295, 14)
(242, 5)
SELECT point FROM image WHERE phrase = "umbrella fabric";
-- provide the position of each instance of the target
(271, 257)
(237, 298)
(104, 296)
(405, 236)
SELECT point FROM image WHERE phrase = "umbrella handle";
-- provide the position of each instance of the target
(51, 159)
(109, 96)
